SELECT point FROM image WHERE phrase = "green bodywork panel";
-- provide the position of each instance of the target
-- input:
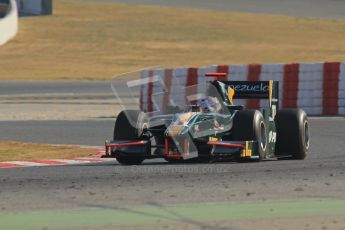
(203, 126)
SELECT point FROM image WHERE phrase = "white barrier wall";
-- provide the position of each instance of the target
(318, 88)
(9, 24)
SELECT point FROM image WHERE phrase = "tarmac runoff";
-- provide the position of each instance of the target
(90, 217)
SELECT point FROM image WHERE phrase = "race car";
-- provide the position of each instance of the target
(225, 131)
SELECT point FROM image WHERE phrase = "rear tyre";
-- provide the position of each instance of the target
(249, 125)
(292, 133)
(129, 125)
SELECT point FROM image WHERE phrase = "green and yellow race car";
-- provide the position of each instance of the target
(212, 127)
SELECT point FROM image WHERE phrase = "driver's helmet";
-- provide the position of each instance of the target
(210, 104)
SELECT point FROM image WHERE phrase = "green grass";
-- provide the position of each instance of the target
(87, 40)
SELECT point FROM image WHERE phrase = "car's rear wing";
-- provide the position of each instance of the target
(253, 89)
(269, 90)
(246, 89)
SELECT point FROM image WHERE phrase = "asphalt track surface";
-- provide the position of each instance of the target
(110, 185)
(13, 88)
(86, 132)
(301, 8)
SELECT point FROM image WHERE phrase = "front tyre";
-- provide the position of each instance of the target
(292, 133)
(129, 160)
(129, 125)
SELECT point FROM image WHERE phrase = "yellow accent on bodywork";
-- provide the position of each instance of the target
(185, 117)
(175, 130)
(270, 91)
(231, 93)
(213, 139)
(246, 152)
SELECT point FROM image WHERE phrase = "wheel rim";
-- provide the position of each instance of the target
(263, 136)
(306, 134)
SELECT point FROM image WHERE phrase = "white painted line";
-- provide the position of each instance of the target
(95, 159)
(65, 161)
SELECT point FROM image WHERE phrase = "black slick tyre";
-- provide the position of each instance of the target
(129, 125)
(249, 125)
(292, 133)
